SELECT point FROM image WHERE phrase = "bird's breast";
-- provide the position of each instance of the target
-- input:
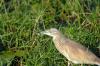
(60, 47)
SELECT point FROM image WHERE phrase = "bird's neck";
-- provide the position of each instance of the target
(58, 39)
(58, 36)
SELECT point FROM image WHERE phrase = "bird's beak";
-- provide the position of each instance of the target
(45, 32)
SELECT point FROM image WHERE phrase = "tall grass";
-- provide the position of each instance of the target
(21, 22)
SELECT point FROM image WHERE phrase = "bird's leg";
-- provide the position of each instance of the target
(81, 64)
(68, 63)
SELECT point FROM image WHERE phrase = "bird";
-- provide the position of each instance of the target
(72, 50)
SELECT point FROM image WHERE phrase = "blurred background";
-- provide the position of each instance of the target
(21, 22)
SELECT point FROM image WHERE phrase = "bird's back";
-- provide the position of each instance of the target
(75, 52)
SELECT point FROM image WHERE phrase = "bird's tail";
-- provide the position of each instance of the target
(98, 62)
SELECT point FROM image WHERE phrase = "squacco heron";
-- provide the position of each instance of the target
(73, 51)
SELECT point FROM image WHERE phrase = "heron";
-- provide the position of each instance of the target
(72, 50)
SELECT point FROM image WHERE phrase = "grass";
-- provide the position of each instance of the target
(21, 22)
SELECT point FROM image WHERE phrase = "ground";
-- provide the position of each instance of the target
(21, 22)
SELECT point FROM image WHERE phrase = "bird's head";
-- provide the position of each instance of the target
(53, 32)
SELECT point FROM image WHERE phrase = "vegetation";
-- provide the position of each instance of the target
(21, 22)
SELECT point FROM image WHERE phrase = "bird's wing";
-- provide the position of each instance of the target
(78, 52)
